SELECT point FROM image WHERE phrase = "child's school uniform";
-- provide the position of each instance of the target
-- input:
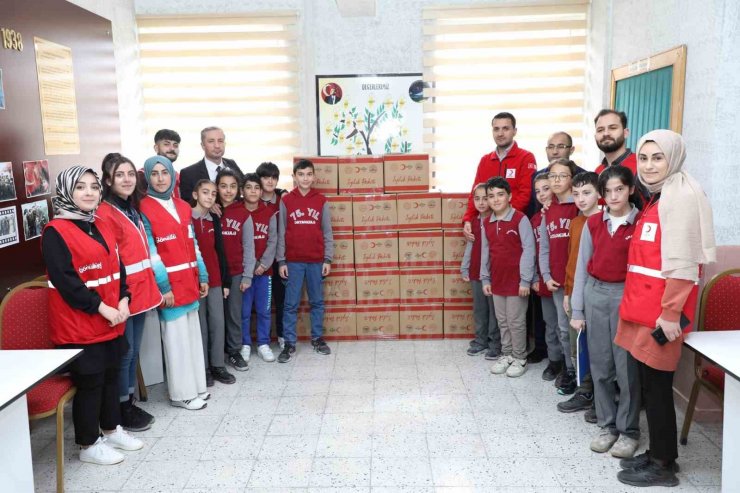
(178, 268)
(211, 310)
(487, 334)
(507, 263)
(549, 314)
(234, 234)
(553, 258)
(597, 295)
(263, 224)
(305, 243)
(278, 286)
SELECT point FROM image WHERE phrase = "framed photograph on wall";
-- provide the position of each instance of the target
(8, 227)
(36, 174)
(369, 114)
(7, 183)
(35, 217)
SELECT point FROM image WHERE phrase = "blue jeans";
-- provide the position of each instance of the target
(127, 376)
(297, 272)
(259, 294)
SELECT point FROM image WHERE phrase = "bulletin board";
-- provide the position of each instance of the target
(651, 92)
(57, 63)
(369, 114)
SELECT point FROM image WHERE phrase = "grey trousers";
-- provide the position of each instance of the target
(487, 333)
(233, 313)
(511, 313)
(609, 362)
(550, 316)
(563, 328)
(212, 328)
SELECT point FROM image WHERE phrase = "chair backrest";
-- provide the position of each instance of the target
(24, 317)
(719, 308)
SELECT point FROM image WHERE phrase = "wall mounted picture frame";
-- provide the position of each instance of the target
(369, 114)
(7, 182)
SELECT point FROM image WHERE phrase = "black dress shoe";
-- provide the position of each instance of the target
(221, 374)
(649, 474)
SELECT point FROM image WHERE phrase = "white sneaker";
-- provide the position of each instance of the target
(502, 364)
(517, 368)
(191, 404)
(204, 396)
(100, 453)
(246, 352)
(281, 342)
(266, 353)
(625, 447)
(122, 440)
(603, 441)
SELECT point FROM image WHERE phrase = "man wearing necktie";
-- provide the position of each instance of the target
(213, 142)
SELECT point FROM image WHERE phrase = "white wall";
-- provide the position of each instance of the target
(710, 29)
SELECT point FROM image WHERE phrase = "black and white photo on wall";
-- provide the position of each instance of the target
(7, 183)
(8, 227)
(35, 217)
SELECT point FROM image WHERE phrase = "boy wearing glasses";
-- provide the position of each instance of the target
(553, 257)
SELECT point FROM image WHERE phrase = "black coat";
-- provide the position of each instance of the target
(192, 174)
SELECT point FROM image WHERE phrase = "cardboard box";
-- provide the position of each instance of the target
(377, 322)
(453, 247)
(341, 213)
(377, 286)
(374, 213)
(455, 289)
(360, 174)
(421, 321)
(340, 323)
(421, 285)
(419, 211)
(326, 173)
(458, 321)
(420, 249)
(344, 251)
(454, 206)
(406, 172)
(339, 288)
(376, 250)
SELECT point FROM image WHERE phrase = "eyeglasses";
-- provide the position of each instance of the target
(558, 177)
(559, 147)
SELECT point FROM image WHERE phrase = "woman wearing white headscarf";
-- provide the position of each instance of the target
(88, 305)
(673, 238)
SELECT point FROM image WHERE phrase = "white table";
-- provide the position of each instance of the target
(723, 349)
(20, 370)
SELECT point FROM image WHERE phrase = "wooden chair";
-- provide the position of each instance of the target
(24, 325)
(718, 310)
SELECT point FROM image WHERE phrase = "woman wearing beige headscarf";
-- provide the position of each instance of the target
(673, 238)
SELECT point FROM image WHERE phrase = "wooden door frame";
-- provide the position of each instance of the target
(675, 57)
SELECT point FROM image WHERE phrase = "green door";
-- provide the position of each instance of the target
(646, 99)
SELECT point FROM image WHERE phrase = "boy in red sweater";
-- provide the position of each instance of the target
(304, 251)
(507, 271)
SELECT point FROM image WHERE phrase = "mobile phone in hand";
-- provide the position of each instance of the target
(659, 335)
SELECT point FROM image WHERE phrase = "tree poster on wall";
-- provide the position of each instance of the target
(369, 114)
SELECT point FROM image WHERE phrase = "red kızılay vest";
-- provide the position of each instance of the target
(504, 254)
(175, 246)
(261, 224)
(609, 260)
(100, 271)
(536, 220)
(557, 220)
(644, 285)
(304, 238)
(134, 251)
(232, 221)
(475, 252)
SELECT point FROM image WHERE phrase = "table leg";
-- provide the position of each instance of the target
(16, 469)
(731, 437)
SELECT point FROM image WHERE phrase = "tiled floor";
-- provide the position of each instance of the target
(416, 416)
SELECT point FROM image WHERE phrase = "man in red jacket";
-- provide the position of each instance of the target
(508, 161)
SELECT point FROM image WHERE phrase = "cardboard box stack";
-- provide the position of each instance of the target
(398, 249)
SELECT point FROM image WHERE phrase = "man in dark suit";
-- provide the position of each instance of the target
(213, 142)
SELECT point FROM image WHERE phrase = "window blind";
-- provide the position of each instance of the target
(481, 60)
(237, 72)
